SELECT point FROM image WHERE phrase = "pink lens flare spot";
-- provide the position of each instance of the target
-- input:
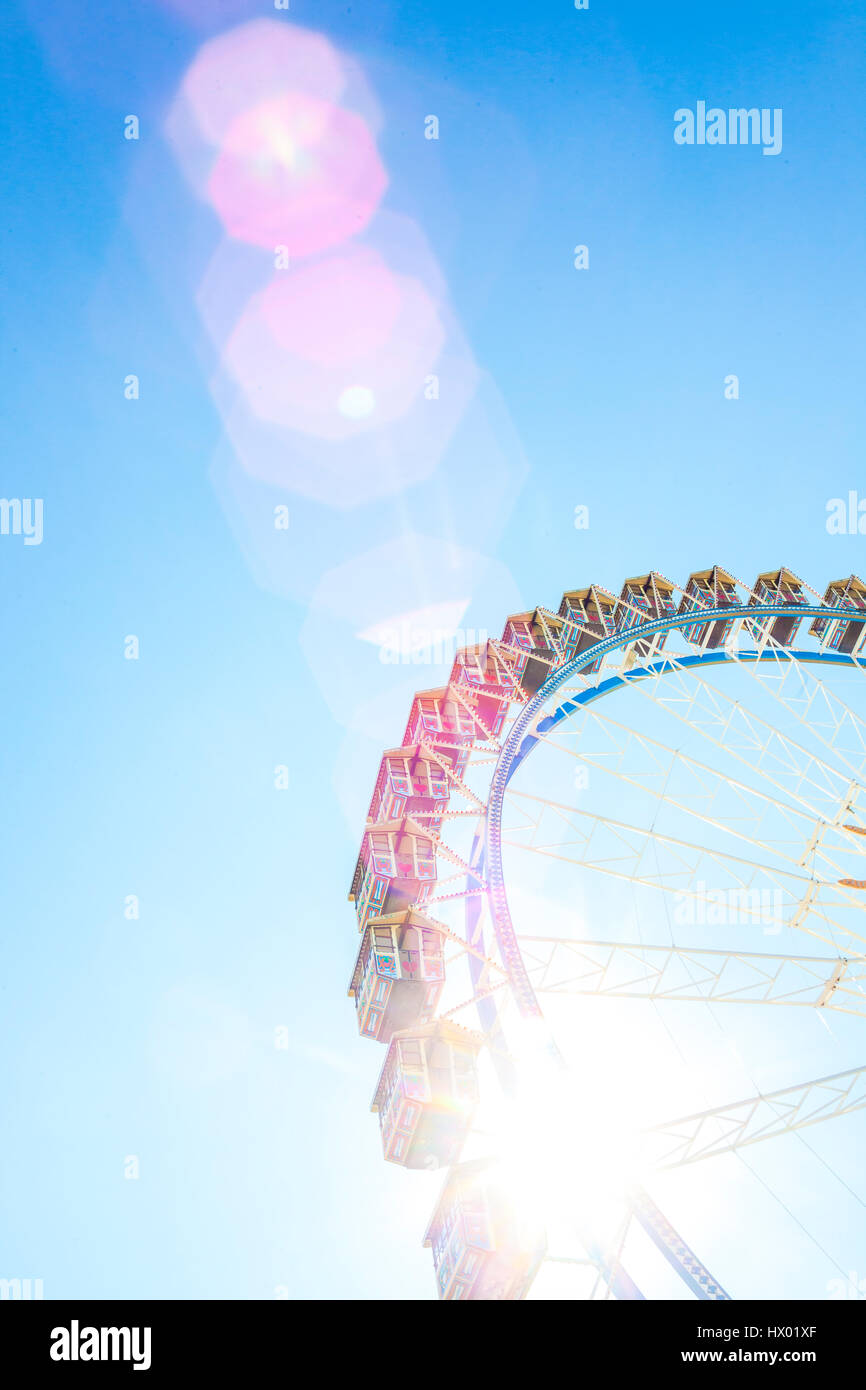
(297, 172)
(341, 310)
(256, 63)
(337, 347)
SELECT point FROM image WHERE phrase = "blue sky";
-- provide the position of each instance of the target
(261, 1168)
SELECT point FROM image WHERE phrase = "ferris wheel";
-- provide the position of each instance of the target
(615, 825)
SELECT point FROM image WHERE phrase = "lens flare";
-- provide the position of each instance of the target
(254, 64)
(297, 172)
(339, 346)
(356, 402)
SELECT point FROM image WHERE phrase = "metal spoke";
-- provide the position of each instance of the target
(750, 740)
(827, 717)
(621, 850)
(618, 970)
(709, 787)
(729, 1127)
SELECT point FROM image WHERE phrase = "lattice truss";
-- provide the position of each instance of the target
(752, 808)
